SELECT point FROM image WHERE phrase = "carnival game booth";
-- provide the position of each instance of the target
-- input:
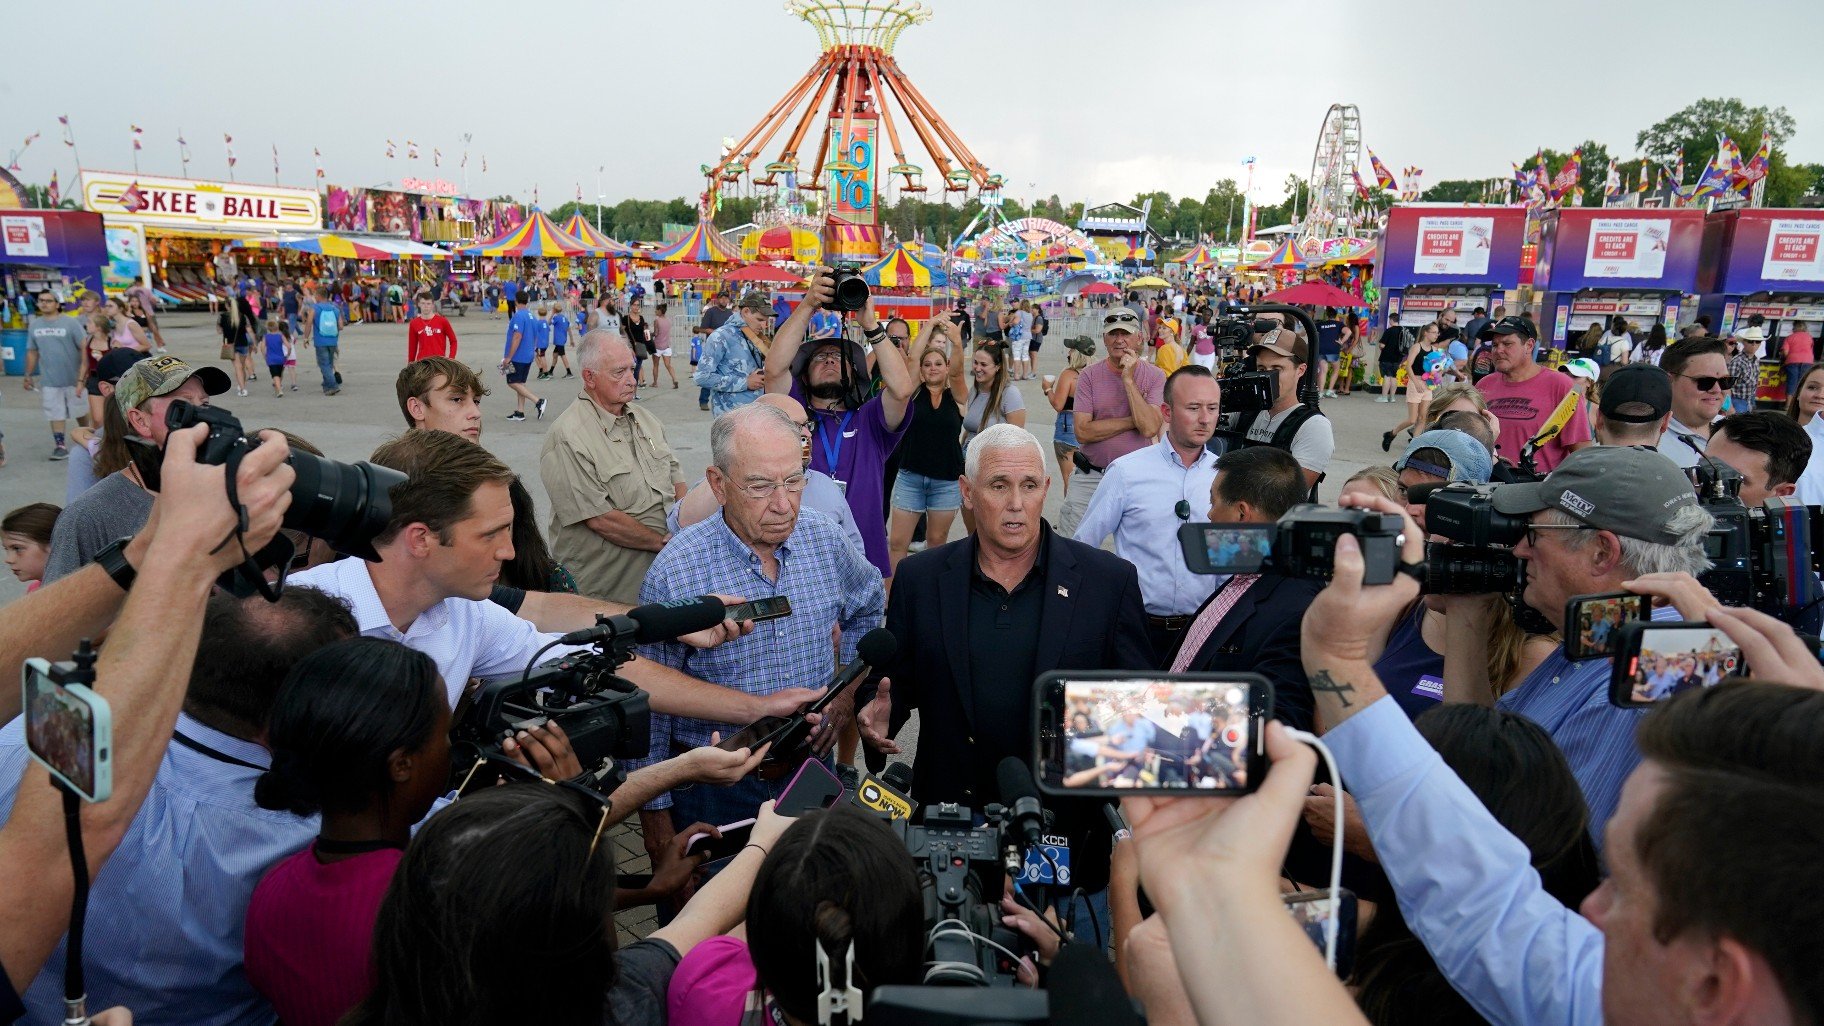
(1595, 263)
(1435, 257)
(59, 250)
(1768, 262)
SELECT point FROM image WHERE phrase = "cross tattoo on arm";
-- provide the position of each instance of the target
(1323, 683)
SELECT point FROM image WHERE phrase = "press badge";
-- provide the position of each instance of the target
(843, 487)
(1039, 871)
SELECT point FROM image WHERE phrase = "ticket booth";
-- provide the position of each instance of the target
(1768, 262)
(1596, 262)
(1444, 256)
(59, 251)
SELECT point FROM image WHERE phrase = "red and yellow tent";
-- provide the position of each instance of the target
(1288, 256)
(1198, 257)
(782, 242)
(537, 237)
(904, 268)
(704, 245)
(581, 229)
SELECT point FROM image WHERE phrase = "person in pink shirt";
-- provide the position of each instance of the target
(1524, 396)
(1798, 352)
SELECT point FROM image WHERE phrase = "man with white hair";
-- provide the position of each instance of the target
(610, 474)
(980, 618)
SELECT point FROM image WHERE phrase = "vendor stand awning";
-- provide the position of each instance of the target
(1314, 293)
(704, 245)
(327, 245)
(539, 236)
(682, 272)
(760, 273)
(904, 268)
(784, 243)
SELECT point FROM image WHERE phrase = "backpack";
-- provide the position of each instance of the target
(1282, 435)
(327, 324)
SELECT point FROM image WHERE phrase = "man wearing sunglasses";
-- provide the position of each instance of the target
(1700, 382)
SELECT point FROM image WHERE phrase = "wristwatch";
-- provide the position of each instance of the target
(113, 559)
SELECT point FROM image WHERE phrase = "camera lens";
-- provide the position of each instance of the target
(345, 504)
(1467, 570)
(851, 292)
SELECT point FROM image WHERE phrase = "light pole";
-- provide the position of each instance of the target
(599, 196)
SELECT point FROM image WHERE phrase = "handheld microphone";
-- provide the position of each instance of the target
(655, 622)
(889, 793)
(1026, 817)
(876, 648)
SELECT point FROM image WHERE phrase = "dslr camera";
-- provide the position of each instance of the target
(851, 289)
(1300, 544)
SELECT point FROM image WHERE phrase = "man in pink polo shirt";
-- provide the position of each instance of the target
(1118, 406)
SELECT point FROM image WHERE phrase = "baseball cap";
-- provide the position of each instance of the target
(1465, 458)
(115, 362)
(754, 301)
(1121, 319)
(1509, 326)
(162, 375)
(1638, 393)
(1634, 492)
(1275, 341)
(1082, 344)
(1583, 367)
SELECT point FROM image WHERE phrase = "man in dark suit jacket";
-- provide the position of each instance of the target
(1252, 622)
(979, 619)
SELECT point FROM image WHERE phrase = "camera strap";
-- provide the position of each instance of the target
(248, 573)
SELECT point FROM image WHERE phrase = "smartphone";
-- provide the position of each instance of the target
(1226, 548)
(1655, 660)
(1314, 911)
(1181, 734)
(69, 731)
(757, 733)
(1594, 621)
(734, 838)
(815, 787)
(761, 609)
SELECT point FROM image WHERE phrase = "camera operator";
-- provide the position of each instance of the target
(854, 433)
(117, 506)
(169, 569)
(1147, 494)
(1766, 448)
(441, 554)
(1710, 902)
(1289, 424)
(1604, 517)
(1529, 399)
(1700, 382)
(1117, 410)
(1635, 406)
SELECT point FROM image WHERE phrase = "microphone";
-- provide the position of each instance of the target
(655, 622)
(1025, 816)
(889, 793)
(876, 648)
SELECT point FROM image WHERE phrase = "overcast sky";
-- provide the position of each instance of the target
(1089, 99)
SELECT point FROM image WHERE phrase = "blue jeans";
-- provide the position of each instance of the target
(326, 363)
(1795, 371)
(291, 321)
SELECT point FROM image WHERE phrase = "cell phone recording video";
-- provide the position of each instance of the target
(1595, 622)
(1226, 548)
(761, 609)
(1656, 660)
(69, 731)
(1173, 734)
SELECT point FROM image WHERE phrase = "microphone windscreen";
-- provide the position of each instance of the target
(900, 776)
(666, 621)
(1015, 781)
(877, 647)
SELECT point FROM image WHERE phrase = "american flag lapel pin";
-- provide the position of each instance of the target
(1063, 592)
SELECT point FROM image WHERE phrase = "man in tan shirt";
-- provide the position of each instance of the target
(609, 473)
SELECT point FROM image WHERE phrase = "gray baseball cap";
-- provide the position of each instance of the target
(1629, 490)
(1465, 459)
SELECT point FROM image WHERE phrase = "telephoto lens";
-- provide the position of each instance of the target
(851, 291)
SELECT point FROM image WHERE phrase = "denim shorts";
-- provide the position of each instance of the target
(916, 493)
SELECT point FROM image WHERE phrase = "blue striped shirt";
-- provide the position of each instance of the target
(829, 583)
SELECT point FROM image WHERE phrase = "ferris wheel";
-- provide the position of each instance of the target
(1338, 152)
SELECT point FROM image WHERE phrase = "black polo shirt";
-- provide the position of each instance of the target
(1003, 649)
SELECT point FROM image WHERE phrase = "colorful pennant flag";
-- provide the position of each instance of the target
(1382, 177)
(52, 191)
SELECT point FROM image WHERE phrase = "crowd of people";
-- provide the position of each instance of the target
(295, 837)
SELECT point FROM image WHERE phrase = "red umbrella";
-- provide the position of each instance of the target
(682, 272)
(1099, 288)
(1313, 293)
(763, 272)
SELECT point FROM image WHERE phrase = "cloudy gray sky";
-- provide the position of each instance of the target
(1089, 99)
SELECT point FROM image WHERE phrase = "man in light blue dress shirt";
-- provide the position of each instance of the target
(1148, 494)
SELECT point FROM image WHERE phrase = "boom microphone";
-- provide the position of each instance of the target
(655, 621)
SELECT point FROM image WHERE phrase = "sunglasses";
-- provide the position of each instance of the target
(1705, 382)
(519, 773)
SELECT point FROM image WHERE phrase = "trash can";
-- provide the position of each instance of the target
(12, 351)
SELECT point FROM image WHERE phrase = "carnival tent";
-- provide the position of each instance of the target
(682, 272)
(538, 236)
(322, 245)
(1287, 256)
(782, 242)
(1201, 256)
(580, 228)
(905, 267)
(704, 245)
(763, 273)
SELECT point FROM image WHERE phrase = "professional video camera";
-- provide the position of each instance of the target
(1243, 389)
(345, 504)
(851, 290)
(1761, 556)
(1300, 544)
(604, 714)
(1479, 558)
(957, 862)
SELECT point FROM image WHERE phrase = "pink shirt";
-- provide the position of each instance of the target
(310, 929)
(1524, 408)
(661, 332)
(713, 985)
(1800, 348)
(1101, 394)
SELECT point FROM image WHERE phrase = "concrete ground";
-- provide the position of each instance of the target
(348, 426)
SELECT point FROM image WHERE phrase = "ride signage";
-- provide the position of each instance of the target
(187, 203)
(1794, 252)
(1454, 245)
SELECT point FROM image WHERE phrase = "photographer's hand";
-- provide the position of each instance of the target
(1770, 647)
(1679, 590)
(1346, 617)
(548, 748)
(206, 528)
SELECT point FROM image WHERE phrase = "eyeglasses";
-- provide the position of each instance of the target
(522, 773)
(1705, 382)
(764, 489)
(1532, 530)
(828, 356)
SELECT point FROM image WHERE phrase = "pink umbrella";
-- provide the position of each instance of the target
(1313, 293)
(1099, 288)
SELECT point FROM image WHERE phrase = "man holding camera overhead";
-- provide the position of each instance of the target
(1118, 410)
(852, 433)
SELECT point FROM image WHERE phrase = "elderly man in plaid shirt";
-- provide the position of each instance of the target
(761, 544)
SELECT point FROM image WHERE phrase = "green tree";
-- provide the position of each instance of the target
(1692, 132)
(1591, 176)
(38, 197)
(1456, 190)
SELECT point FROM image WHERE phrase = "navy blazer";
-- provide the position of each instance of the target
(1261, 635)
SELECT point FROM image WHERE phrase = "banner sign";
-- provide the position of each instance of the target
(1793, 251)
(1625, 248)
(188, 203)
(23, 236)
(852, 191)
(1454, 246)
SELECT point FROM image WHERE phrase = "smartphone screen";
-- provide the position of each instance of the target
(1177, 734)
(734, 838)
(1595, 622)
(761, 609)
(815, 787)
(1657, 660)
(1226, 548)
(754, 733)
(67, 730)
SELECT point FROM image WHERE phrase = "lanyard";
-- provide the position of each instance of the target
(203, 749)
(832, 452)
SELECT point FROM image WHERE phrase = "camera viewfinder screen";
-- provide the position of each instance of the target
(1680, 659)
(60, 731)
(1598, 621)
(1235, 549)
(1156, 734)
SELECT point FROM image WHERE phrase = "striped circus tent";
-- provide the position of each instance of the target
(1288, 255)
(904, 268)
(704, 245)
(580, 228)
(1201, 256)
(322, 245)
(537, 237)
